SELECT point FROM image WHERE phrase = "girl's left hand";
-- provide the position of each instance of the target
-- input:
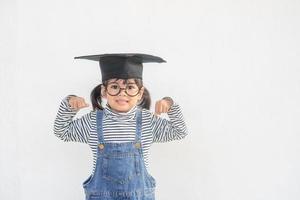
(163, 105)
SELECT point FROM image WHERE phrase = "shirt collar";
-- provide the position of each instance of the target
(120, 116)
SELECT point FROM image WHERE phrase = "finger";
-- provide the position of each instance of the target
(166, 107)
(82, 102)
(79, 104)
(162, 108)
(159, 108)
(156, 108)
(70, 101)
(84, 105)
(72, 104)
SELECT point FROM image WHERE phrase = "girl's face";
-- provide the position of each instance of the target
(122, 95)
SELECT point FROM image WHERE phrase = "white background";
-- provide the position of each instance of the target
(233, 66)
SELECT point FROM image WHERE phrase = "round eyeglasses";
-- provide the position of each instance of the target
(131, 89)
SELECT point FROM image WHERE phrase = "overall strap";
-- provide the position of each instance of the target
(99, 121)
(138, 126)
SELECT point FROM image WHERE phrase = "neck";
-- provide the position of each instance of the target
(118, 111)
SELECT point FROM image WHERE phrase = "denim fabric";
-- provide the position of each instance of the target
(120, 172)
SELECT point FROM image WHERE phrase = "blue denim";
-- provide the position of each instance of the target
(120, 172)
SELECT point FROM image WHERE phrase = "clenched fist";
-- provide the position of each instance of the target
(77, 103)
(163, 105)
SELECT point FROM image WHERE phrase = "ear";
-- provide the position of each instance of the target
(103, 92)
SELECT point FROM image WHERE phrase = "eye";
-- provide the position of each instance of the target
(114, 86)
(132, 87)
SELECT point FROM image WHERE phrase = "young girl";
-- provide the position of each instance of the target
(121, 133)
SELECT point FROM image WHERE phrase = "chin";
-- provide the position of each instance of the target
(122, 108)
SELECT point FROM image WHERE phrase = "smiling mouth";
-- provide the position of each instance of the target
(121, 101)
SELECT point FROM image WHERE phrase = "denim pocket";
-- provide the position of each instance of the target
(152, 182)
(87, 181)
(121, 168)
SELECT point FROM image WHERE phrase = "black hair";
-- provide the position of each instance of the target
(96, 97)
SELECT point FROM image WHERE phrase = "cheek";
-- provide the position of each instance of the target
(103, 94)
(135, 100)
(109, 98)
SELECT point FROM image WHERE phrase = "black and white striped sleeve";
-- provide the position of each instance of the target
(165, 130)
(67, 129)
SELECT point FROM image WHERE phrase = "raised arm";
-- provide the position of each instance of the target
(165, 130)
(66, 128)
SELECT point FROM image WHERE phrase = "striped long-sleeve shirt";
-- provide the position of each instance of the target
(118, 127)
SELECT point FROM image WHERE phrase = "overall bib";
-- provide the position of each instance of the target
(120, 172)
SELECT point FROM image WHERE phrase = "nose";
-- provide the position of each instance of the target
(122, 91)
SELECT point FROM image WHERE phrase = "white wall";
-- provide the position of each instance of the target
(9, 164)
(233, 66)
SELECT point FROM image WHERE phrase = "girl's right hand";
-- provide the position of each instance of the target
(77, 103)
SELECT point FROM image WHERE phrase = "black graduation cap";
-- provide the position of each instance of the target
(122, 65)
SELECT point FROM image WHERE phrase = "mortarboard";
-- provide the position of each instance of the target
(122, 65)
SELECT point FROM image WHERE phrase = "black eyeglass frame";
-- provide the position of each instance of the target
(120, 89)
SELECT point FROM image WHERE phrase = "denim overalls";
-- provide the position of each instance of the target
(120, 172)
